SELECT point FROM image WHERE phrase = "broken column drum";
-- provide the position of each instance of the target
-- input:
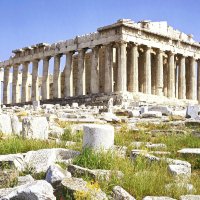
(99, 137)
(144, 57)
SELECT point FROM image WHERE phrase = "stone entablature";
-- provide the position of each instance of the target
(147, 57)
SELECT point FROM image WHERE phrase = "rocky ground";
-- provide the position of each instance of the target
(149, 152)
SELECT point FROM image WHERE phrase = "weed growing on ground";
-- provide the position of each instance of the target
(14, 145)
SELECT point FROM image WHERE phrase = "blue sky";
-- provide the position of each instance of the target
(27, 22)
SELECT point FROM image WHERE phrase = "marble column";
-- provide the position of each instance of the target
(159, 73)
(171, 76)
(108, 83)
(147, 70)
(35, 81)
(57, 77)
(192, 79)
(133, 70)
(198, 80)
(45, 79)
(122, 67)
(25, 95)
(15, 84)
(81, 82)
(94, 81)
(165, 76)
(181, 78)
(68, 91)
(6, 85)
(176, 78)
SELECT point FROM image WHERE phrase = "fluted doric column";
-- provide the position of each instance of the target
(133, 69)
(57, 77)
(198, 80)
(122, 67)
(181, 78)
(69, 75)
(25, 95)
(81, 82)
(108, 84)
(35, 81)
(94, 83)
(171, 76)
(45, 79)
(192, 79)
(147, 70)
(159, 72)
(6, 86)
(15, 84)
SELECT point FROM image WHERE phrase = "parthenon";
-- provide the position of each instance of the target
(144, 57)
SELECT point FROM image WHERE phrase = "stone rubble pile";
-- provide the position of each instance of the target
(44, 122)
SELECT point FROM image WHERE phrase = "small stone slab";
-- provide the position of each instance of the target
(190, 151)
(119, 193)
(157, 198)
(190, 197)
(179, 170)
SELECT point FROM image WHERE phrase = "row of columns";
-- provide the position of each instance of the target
(125, 77)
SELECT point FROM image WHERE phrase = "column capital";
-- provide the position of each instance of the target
(192, 58)
(35, 60)
(47, 58)
(96, 47)
(58, 55)
(121, 42)
(110, 44)
(25, 62)
(182, 56)
(7, 66)
(146, 47)
(131, 44)
(171, 53)
(159, 50)
(69, 53)
(16, 65)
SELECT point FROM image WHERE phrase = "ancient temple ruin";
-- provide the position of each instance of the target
(145, 57)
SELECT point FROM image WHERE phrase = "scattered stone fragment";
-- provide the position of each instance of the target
(136, 152)
(120, 194)
(151, 114)
(184, 186)
(165, 110)
(110, 117)
(35, 128)
(179, 170)
(12, 161)
(192, 111)
(36, 190)
(22, 180)
(40, 160)
(190, 197)
(97, 174)
(98, 137)
(75, 186)
(157, 198)
(194, 151)
(16, 125)
(5, 124)
(156, 146)
(139, 144)
(133, 113)
(56, 131)
(55, 174)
